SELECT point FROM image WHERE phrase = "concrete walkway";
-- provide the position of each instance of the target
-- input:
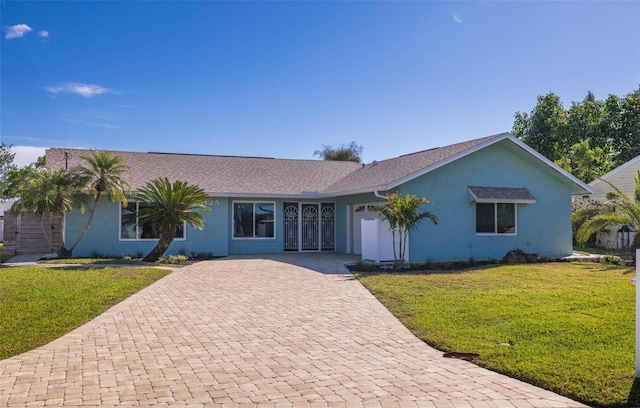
(285, 330)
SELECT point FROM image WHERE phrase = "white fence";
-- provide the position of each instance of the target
(377, 241)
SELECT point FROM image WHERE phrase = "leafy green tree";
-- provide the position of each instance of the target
(611, 128)
(403, 215)
(172, 204)
(50, 191)
(6, 165)
(619, 209)
(585, 163)
(104, 174)
(544, 128)
(629, 134)
(350, 152)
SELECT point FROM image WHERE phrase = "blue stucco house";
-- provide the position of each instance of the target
(491, 195)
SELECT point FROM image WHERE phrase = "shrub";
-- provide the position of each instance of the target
(612, 259)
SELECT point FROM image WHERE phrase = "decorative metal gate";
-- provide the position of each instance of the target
(309, 227)
(290, 226)
(328, 216)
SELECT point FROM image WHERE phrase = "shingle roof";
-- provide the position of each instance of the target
(384, 174)
(501, 194)
(267, 177)
(223, 175)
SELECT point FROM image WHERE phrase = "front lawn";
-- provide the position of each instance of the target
(40, 304)
(566, 327)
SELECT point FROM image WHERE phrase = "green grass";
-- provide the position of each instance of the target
(566, 327)
(40, 304)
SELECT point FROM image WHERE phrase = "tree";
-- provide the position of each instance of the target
(403, 215)
(619, 209)
(611, 128)
(6, 165)
(104, 174)
(585, 163)
(50, 191)
(350, 152)
(544, 128)
(171, 205)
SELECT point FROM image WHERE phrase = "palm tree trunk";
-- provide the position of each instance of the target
(166, 238)
(86, 227)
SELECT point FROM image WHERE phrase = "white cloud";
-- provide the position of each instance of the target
(43, 34)
(17, 31)
(86, 90)
(25, 155)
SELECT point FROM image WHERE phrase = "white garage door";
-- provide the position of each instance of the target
(361, 212)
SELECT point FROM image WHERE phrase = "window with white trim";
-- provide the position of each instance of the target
(132, 229)
(495, 218)
(253, 219)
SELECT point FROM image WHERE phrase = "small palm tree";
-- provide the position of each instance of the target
(619, 209)
(403, 216)
(350, 152)
(51, 191)
(171, 205)
(104, 174)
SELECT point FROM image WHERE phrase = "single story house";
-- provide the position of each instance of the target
(622, 177)
(491, 195)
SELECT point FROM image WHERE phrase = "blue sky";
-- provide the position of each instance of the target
(281, 79)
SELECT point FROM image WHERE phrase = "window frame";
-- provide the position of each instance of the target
(495, 219)
(253, 223)
(137, 226)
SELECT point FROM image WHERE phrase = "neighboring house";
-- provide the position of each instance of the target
(491, 195)
(622, 177)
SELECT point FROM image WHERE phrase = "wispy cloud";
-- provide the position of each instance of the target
(77, 88)
(43, 34)
(103, 125)
(17, 31)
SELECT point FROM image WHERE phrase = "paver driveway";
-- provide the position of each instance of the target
(256, 331)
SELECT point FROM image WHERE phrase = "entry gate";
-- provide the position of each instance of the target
(309, 227)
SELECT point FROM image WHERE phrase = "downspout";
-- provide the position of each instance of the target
(377, 194)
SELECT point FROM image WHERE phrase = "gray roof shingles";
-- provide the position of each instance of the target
(501, 193)
(228, 175)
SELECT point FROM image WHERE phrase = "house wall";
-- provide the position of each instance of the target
(103, 235)
(543, 227)
(624, 178)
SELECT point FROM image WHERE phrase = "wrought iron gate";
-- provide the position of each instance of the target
(290, 226)
(309, 227)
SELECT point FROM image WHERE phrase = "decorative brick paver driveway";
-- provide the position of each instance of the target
(266, 332)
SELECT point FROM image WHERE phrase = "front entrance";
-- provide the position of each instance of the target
(309, 227)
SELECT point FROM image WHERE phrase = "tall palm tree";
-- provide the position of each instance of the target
(403, 216)
(171, 205)
(619, 209)
(51, 191)
(104, 174)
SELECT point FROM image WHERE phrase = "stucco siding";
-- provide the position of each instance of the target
(543, 227)
(103, 235)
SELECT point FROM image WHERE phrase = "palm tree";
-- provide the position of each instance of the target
(403, 216)
(171, 205)
(51, 191)
(350, 152)
(104, 174)
(619, 209)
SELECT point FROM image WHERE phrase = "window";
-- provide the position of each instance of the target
(131, 228)
(253, 219)
(496, 218)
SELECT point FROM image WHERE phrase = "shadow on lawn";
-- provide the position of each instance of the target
(633, 400)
